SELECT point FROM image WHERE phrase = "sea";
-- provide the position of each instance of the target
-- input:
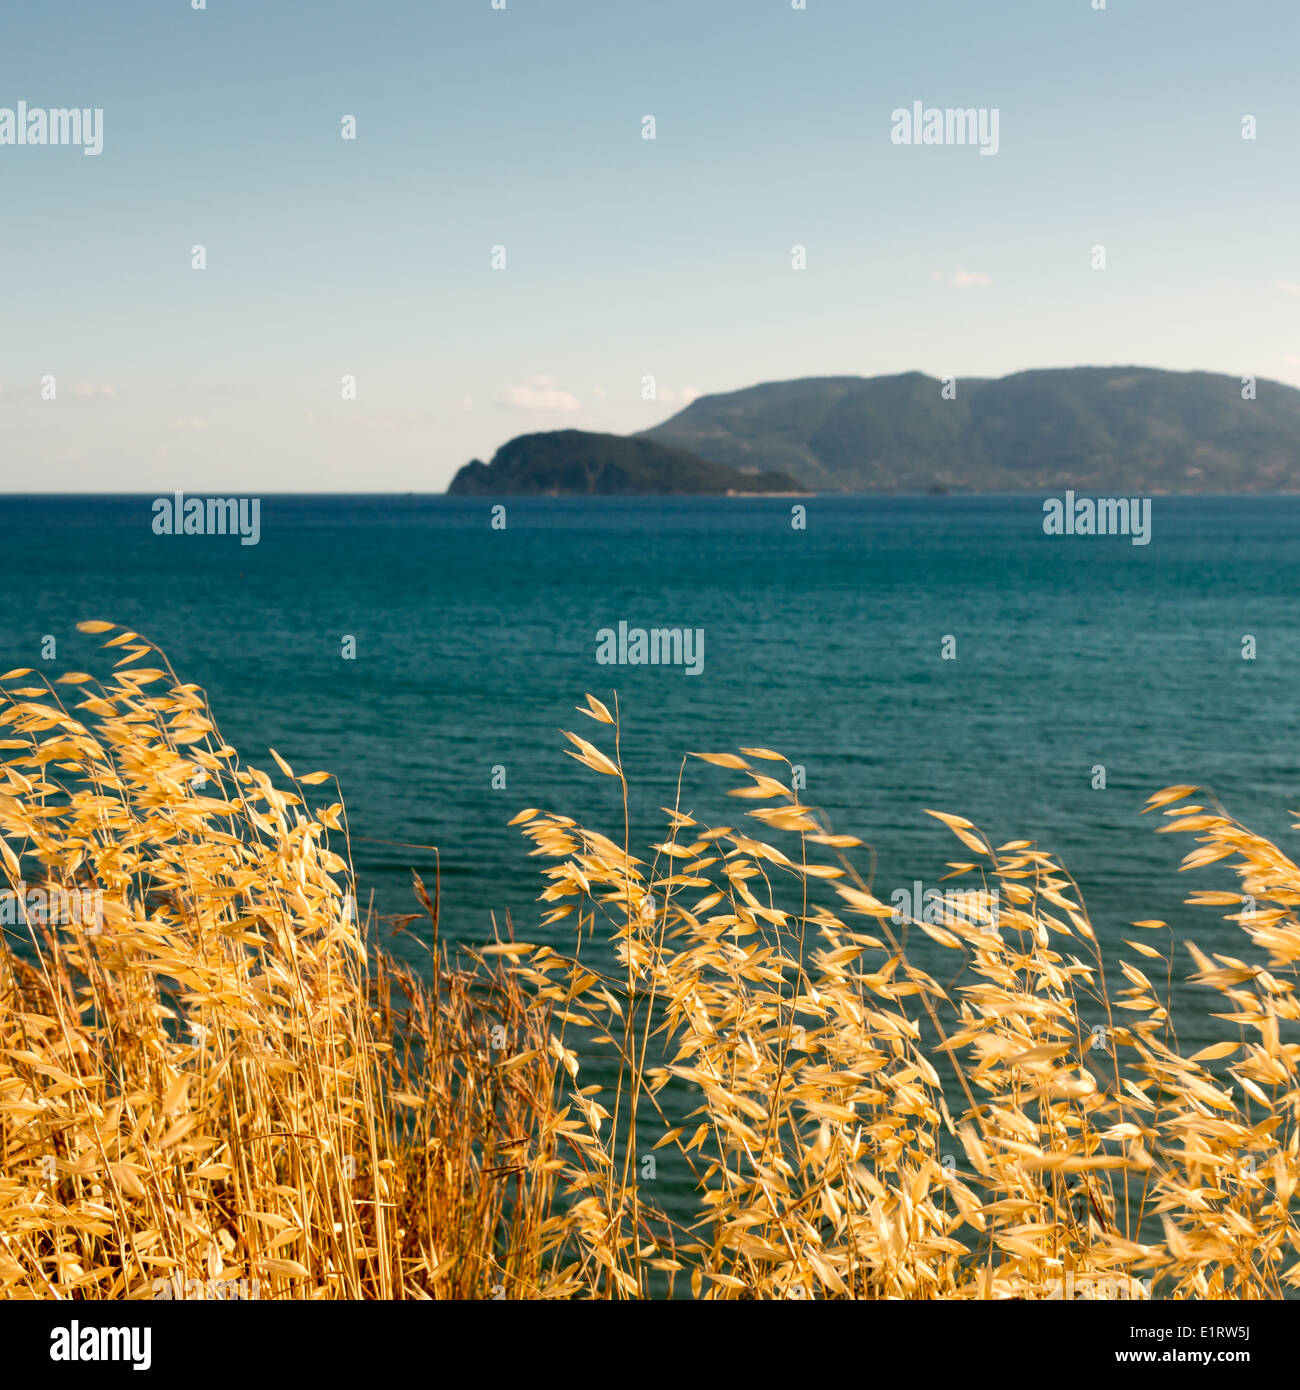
(907, 653)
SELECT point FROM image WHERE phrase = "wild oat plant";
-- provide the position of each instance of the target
(209, 1087)
(215, 1079)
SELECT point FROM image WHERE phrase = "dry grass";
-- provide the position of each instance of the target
(831, 1160)
(211, 1081)
(215, 1079)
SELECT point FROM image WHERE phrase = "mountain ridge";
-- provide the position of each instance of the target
(1138, 429)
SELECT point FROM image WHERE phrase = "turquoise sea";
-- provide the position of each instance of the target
(473, 645)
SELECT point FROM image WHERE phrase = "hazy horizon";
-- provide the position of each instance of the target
(428, 490)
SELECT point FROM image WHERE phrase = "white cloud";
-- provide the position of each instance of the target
(1291, 359)
(539, 393)
(195, 424)
(83, 388)
(681, 395)
(963, 279)
(1288, 286)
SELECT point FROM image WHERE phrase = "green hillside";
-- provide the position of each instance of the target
(1134, 429)
(577, 463)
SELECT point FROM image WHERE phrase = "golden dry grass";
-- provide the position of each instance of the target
(217, 1079)
(212, 1080)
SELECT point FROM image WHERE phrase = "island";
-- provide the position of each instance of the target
(1138, 430)
(579, 463)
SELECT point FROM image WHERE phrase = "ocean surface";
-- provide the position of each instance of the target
(473, 645)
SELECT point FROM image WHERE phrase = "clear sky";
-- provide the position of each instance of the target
(479, 127)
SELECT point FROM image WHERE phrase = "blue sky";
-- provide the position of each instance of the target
(624, 257)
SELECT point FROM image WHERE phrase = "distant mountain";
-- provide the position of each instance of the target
(1130, 429)
(576, 463)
